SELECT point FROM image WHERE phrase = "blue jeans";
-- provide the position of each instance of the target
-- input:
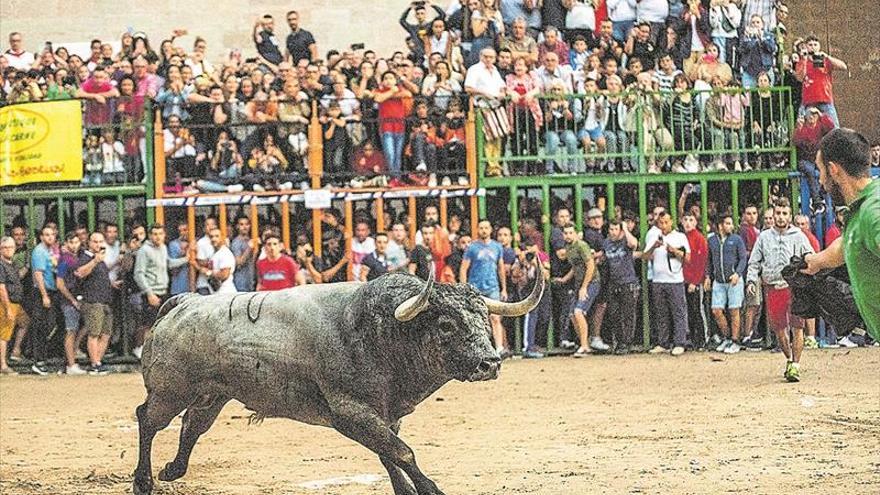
(622, 29)
(826, 108)
(568, 160)
(392, 146)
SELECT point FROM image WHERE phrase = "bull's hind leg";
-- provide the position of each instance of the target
(197, 420)
(153, 416)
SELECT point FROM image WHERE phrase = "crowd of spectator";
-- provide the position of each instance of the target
(571, 81)
(706, 289)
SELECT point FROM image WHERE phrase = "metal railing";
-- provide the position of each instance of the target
(634, 131)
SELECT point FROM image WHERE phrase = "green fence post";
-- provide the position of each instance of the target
(579, 205)
(765, 194)
(546, 221)
(2, 217)
(32, 221)
(641, 145)
(643, 222)
(734, 198)
(120, 215)
(513, 203)
(609, 199)
(149, 172)
(704, 205)
(61, 229)
(673, 201)
(90, 205)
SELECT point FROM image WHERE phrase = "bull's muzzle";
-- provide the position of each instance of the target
(487, 370)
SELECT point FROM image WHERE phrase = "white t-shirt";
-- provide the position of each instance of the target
(111, 258)
(485, 80)
(396, 254)
(20, 61)
(359, 251)
(224, 258)
(667, 268)
(204, 252)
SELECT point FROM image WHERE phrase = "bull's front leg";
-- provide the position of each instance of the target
(399, 483)
(363, 425)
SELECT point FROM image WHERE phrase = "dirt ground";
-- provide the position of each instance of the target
(701, 423)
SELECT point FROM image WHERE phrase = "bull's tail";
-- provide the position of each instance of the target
(172, 303)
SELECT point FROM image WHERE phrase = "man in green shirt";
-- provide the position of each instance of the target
(844, 161)
(586, 281)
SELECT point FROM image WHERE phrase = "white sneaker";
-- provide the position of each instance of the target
(678, 168)
(597, 344)
(304, 185)
(720, 166)
(421, 167)
(659, 349)
(138, 351)
(235, 188)
(285, 186)
(733, 348)
(724, 345)
(446, 181)
(737, 166)
(567, 344)
(845, 342)
(432, 180)
(75, 370)
(259, 188)
(677, 350)
(463, 181)
(653, 169)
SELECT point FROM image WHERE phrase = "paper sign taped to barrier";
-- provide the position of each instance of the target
(318, 199)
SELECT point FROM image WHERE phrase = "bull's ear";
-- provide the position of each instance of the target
(411, 308)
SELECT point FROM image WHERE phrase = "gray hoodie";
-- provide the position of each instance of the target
(773, 251)
(151, 268)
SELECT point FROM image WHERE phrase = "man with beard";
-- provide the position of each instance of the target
(771, 254)
(844, 171)
(483, 267)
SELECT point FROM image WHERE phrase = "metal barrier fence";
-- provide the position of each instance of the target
(637, 131)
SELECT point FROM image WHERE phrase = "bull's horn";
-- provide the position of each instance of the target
(411, 308)
(518, 308)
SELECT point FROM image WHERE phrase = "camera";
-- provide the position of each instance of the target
(818, 60)
(357, 46)
(530, 257)
(69, 81)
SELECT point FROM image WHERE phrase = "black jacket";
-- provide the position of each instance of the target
(826, 294)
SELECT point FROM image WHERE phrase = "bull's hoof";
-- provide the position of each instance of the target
(171, 472)
(142, 486)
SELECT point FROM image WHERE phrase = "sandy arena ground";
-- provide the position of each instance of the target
(702, 423)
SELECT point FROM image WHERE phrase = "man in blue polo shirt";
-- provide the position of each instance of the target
(483, 268)
(44, 260)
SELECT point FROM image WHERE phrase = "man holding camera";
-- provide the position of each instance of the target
(97, 296)
(668, 250)
(814, 70)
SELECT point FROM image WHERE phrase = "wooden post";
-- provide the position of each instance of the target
(159, 166)
(191, 224)
(285, 224)
(470, 137)
(223, 221)
(413, 220)
(255, 222)
(444, 214)
(475, 216)
(349, 227)
(316, 170)
(380, 215)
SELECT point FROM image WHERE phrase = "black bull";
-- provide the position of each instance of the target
(356, 357)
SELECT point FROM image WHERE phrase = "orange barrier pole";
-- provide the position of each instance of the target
(223, 221)
(285, 224)
(191, 223)
(380, 215)
(159, 166)
(470, 137)
(349, 227)
(255, 222)
(444, 219)
(412, 220)
(475, 216)
(316, 170)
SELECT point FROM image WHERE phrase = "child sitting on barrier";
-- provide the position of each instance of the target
(225, 168)
(93, 162)
(112, 157)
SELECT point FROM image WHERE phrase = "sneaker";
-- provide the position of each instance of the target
(733, 348)
(737, 167)
(654, 170)
(677, 350)
(793, 373)
(285, 186)
(567, 345)
(16, 358)
(74, 370)
(40, 369)
(658, 350)
(810, 343)
(747, 167)
(823, 344)
(678, 168)
(597, 344)
(463, 181)
(724, 345)
(621, 351)
(304, 185)
(852, 340)
(715, 339)
(432, 180)
(235, 188)
(98, 370)
(787, 369)
(719, 166)
(581, 352)
(421, 167)
(532, 355)
(446, 181)
(137, 351)
(259, 188)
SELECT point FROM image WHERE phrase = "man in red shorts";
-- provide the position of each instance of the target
(772, 252)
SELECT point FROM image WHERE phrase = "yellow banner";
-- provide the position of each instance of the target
(41, 142)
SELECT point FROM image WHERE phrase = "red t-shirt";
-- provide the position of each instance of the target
(278, 274)
(695, 269)
(392, 114)
(97, 113)
(813, 240)
(832, 234)
(817, 83)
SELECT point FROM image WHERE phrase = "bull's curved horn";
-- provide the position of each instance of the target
(411, 308)
(518, 308)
